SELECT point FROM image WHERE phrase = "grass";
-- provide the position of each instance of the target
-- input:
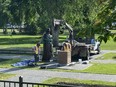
(101, 69)
(88, 82)
(18, 41)
(96, 68)
(113, 31)
(21, 41)
(5, 76)
(6, 63)
(27, 41)
(108, 56)
(110, 45)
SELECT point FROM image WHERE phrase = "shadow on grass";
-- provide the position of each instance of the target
(114, 57)
(3, 60)
(24, 40)
(82, 85)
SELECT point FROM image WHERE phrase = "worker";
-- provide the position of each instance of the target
(36, 52)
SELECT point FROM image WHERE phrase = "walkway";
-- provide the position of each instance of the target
(42, 75)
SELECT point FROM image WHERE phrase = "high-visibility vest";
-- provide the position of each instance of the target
(36, 50)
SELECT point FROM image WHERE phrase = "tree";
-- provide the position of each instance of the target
(81, 14)
(25, 12)
(48, 10)
(5, 15)
(106, 18)
(17, 12)
(87, 17)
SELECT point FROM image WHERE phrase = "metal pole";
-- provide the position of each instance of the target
(20, 81)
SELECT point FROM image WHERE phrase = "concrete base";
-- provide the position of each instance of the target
(64, 57)
(72, 65)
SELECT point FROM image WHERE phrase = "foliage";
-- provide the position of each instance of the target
(87, 17)
(106, 20)
(4, 12)
(31, 29)
(5, 15)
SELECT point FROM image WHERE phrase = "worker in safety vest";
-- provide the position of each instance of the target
(36, 52)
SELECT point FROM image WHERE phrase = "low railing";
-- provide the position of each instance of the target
(20, 83)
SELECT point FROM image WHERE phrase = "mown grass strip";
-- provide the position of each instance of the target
(89, 82)
(6, 63)
(5, 76)
(108, 56)
(101, 69)
(110, 45)
(96, 68)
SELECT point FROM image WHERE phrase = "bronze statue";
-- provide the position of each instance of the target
(47, 46)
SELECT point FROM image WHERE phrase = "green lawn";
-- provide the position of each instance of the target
(97, 68)
(101, 69)
(21, 41)
(5, 76)
(6, 63)
(113, 31)
(18, 41)
(110, 45)
(108, 56)
(27, 41)
(89, 82)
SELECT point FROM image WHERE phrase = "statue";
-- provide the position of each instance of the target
(47, 46)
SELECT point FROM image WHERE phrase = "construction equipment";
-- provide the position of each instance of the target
(79, 49)
(56, 30)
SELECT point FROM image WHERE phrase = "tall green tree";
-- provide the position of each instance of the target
(17, 12)
(25, 12)
(107, 20)
(87, 17)
(5, 15)
(81, 14)
(48, 10)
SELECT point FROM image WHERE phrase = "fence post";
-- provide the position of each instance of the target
(20, 81)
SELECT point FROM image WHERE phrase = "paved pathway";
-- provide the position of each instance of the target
(104, 61)
(41, 75)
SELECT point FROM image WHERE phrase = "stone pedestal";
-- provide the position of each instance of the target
(64, 57)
